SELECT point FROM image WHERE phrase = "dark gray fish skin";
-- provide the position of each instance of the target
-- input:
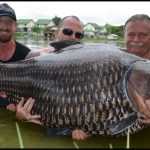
(80, 87)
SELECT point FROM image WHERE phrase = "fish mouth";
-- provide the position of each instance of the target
(138, 84)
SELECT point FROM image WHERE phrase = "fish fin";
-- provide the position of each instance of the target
(121, 126)
(59, 45)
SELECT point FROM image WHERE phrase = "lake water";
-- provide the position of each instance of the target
(38, 44)
(34, 44)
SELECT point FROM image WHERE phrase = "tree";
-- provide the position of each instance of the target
(36, 29)
(108, 28)
(56, 20)
(118, 30)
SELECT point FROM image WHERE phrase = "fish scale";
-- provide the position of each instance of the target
(76, 88)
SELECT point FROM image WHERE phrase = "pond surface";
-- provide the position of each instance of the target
(17, 134)
(34, 44)
(38, 44)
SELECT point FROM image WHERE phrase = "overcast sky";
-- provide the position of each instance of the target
(115, 13)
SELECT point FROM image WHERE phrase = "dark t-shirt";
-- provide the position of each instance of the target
(20, 53)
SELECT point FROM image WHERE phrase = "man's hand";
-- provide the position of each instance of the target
(3, 94)
(143, 105)
(48, 49)
(39, 52)
(144, 108)
(145, 118)
(78, 134)
(23, 111)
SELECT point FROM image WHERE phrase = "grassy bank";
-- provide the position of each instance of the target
(16, 134)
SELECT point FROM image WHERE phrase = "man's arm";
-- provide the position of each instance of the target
(40, 51)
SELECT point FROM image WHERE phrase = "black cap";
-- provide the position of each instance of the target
(6, 10)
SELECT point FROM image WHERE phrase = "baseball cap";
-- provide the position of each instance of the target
(6, 10)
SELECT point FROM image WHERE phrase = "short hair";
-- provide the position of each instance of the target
(62, 20)
(137, 17)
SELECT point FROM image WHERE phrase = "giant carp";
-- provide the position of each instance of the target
(85, 86)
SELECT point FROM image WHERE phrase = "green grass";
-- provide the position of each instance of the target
(30, 135)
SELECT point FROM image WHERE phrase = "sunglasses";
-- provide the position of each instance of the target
(69, 32)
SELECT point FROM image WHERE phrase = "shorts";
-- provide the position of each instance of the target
(58, 131)
(4, 102)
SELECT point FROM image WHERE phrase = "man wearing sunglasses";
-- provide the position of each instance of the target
(70, 29)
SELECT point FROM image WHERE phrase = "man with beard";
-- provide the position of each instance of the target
(11, 51)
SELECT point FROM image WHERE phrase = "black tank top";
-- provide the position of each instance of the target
(21, 52)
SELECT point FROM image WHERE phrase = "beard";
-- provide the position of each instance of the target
(5, 36)
(5, 39)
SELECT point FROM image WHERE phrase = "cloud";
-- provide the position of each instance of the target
(99, 12)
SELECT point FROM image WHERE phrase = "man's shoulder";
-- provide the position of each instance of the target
(123, 49)
(21, 51)
(22, 46)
